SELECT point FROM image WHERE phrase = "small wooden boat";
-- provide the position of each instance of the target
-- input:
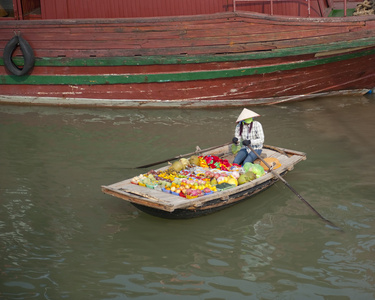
(166, 205)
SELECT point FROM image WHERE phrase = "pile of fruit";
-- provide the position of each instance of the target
(199, 176)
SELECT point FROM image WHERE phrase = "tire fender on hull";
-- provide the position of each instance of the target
(27, 52)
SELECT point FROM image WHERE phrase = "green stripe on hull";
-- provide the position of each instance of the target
(172, 77)
(195, 59)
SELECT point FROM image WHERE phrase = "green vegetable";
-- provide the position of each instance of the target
(258, 170)
(247, 166)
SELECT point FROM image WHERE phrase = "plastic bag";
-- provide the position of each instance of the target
(255, 168)
(258, 170)
(236, 148)
(247, 166)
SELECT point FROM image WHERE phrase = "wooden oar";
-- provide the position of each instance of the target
(182, 155)
(294, 191)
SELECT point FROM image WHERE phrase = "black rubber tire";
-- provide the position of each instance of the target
(27, 52)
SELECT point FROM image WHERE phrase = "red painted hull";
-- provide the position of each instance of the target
(230, 59)
(301, 81)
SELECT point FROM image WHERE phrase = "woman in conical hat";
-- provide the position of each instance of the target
(248, 132)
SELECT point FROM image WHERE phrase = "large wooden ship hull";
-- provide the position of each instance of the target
(222, 59)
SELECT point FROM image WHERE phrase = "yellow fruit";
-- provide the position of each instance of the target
(185, 162)
(177, 166)
(233, 181)
(194, 160)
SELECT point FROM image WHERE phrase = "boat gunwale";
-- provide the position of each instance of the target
(192, 103)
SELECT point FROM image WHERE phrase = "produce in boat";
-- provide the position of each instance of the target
(177, 166)
(194, 160)
(185, 162)
(194, 191)
(187, 179)
(249, 175)
(233, 181)
(258, 170)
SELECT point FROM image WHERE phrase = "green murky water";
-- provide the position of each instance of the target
(62, 238)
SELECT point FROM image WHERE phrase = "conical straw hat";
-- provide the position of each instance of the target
(246, 114)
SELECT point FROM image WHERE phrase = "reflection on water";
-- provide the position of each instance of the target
(62, 238)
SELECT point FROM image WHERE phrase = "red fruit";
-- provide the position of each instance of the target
(207, 190)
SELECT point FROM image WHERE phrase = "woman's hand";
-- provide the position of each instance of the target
(246, 142)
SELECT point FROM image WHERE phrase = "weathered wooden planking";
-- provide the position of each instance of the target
(231, 28)
(100, 49)
(74, 67)
(264, 76)
(181, 38)
(299, 82)
(168, 39)
(167, 32)
(324, 40)
(66, 33)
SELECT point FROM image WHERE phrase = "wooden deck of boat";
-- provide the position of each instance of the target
(169, 202)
